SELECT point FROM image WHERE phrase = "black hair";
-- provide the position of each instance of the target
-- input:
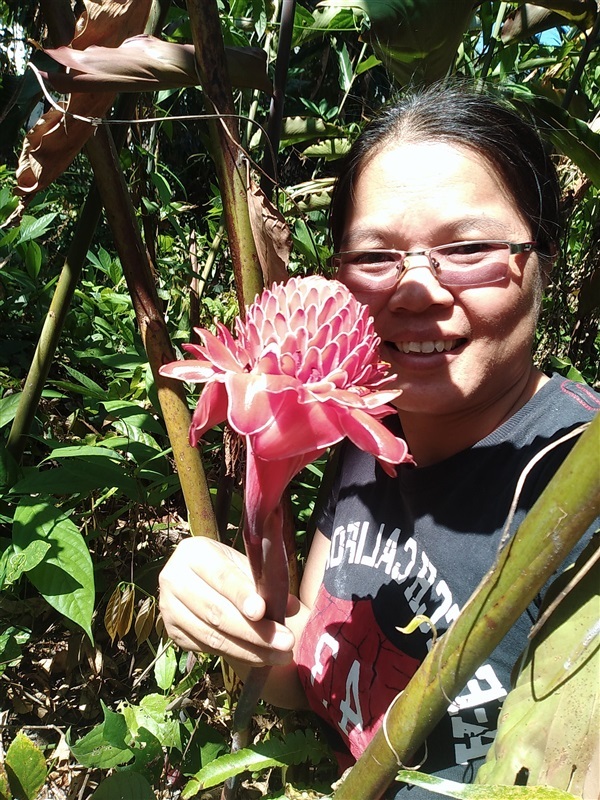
(475, 120)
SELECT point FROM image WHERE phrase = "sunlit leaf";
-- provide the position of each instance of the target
(417, 40)
(463, 791)
(65, 578)
(550, 721)
(25, 767)
(296, 748)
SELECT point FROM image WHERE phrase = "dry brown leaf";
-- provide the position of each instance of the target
(143, 63)
(119, 611)
(272, 236)
(144, 621)
(52, 144)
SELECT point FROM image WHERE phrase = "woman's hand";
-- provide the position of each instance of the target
(209, 604)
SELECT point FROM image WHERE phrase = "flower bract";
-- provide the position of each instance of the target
(301, 373)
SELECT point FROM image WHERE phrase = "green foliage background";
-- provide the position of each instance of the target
(91, 511)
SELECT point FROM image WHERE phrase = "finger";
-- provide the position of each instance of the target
(264, 643)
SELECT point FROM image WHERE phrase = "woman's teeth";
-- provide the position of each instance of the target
(439, 346)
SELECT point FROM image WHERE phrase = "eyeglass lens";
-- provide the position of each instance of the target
(461, 264)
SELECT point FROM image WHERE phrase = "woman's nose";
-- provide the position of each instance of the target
(417, 287)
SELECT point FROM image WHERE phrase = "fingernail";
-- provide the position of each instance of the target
(252, 606)
(282, 640)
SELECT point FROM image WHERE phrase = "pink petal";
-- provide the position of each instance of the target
(211, 410)
(372, 437)
(223, 355)
(255, 399)
(297, 429)
(190, 371)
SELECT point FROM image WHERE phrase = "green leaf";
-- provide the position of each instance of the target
(79, 476)
(104, 747)
(165, 667)
(295, 748)
(152, 715)
(417, 40)
(345, 68)
(463, 791)
(329, 149)
(19, 562)
(8, 408)
(89, 451)
(25, 768)
(65, 578)
(32, 228)
(33, 259)
(556, 696)
(133, 414)
(124, 786)
(571, 136)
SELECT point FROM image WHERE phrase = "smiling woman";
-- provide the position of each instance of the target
(446, 224)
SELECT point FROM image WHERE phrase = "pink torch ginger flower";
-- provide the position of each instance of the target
(302, 374)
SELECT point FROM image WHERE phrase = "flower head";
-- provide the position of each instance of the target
(302, 373)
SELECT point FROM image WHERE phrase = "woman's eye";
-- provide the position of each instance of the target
(373, 258)
(472, 248)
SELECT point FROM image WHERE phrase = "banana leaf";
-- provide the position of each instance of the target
(582, 12)
(145, 63)
(571, 136)
(417, 40)
(549, 727)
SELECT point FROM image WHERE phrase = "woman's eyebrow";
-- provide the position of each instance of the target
(487, 225)
(350, 238)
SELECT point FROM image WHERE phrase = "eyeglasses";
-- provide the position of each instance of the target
(458, 264)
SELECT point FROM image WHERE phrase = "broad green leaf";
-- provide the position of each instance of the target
(79, 476)
(65, 578)
(105, 746)
(94, 389)
(571, 136)
(297, 747)
(306, 129)
(124, 786)
(152, 715)
(463, 791)
(133, 414)
(89, 451)
(329, 149)
(417, 40)
(10, 647)
(32, 228)
(8, 408)
(25, 768)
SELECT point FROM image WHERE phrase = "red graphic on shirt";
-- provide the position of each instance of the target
(342, 655)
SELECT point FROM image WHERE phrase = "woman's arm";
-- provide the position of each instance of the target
(209, 604)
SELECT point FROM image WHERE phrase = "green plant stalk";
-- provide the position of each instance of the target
(140, 282)
(53, 324)
(284, 45)
(561, 515)
(230, 161)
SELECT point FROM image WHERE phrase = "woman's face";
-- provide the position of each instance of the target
(415, 196)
